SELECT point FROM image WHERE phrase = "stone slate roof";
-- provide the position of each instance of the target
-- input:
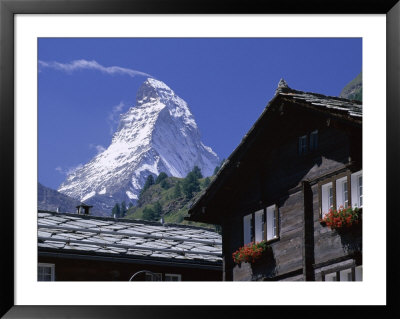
(329, 103)
(73, 233)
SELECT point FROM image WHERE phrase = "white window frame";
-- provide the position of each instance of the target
(272, 223)
(342, 192)
(48, 266)
(173, 276)
(326, 198)
(356, 190)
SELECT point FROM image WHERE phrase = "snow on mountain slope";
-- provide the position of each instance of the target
(158, 134)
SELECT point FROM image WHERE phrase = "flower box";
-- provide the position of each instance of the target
(342, 218)
(250, 253)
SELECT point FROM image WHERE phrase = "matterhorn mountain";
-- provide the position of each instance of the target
(158, 134)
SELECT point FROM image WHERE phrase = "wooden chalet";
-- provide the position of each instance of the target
(301, 158)
(80, 247)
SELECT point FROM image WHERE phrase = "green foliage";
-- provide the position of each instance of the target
(197, 172)
(190, 185)
(148, 183)
(177, 190)
(123, 209)
(148, 213)
(130, 205)
(164, 184)
(168, 203)
(161, 177)
(152, 213)
(116, 211)
(206, 182)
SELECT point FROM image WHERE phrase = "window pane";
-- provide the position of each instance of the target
(303, 144)
(270, 222)
(327, 198)
(259, 225)
(330, 201)
(247, 229)
(341, 193)
(356, 189)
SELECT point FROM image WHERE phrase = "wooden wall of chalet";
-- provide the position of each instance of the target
(70, 269)
(272, 172)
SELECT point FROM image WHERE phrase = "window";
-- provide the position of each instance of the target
(266, 225)
(173, 277)
(349, 274)
(272, 222)
(303, 144)
(45, 272)
(314, 140)
(153, 276)
(312, 144)
(345, 190)
(356, 189)
(342, 198)
(247, 229)
(259, 225)
(326, 198)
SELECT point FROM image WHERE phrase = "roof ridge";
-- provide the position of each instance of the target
(290, 90)
(126, 220)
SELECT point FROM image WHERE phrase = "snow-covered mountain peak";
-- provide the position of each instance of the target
(158, 134)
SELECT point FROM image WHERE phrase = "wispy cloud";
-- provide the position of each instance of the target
(113, 116)
(99, 148)
(90, 65)
(69, 170)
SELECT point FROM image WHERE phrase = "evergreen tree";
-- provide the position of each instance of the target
(206, 182)
(177, 190)
(130, 205)
(164, 184)
(148, 213)
(197, 172)
(116, 211)
(152, 213)
(190, 185)
(161, 177)
(157, 208)
(148, 183)
(123, 209)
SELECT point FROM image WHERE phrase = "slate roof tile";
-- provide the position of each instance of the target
(115, 236)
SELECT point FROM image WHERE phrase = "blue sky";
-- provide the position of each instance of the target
(84, 84)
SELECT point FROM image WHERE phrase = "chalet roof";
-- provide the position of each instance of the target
(72, 233)
(325, 103)
(348, 110)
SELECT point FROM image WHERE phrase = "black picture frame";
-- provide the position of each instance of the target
(8, 9)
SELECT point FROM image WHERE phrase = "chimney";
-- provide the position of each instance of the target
(83, 209)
